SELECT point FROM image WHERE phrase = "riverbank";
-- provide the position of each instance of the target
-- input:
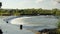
(19, 12)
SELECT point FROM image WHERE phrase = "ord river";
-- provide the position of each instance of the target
(30, 23)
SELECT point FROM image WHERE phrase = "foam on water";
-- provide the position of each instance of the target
(18, 20)
(34, 20)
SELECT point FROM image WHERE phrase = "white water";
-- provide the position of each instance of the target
(31, 23)
(11, 29)
(35, 20)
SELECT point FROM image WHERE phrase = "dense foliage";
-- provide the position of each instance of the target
(33, 11)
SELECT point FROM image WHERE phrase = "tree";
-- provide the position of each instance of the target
(0, 4)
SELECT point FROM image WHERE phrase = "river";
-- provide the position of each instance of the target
(31, 23)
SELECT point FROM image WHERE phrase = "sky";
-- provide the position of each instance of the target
(24, 4)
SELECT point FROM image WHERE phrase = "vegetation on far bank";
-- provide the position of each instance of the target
(18, 12)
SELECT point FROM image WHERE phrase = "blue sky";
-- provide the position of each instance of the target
(22, 4)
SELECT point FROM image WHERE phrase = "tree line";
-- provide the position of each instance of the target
(18, 12)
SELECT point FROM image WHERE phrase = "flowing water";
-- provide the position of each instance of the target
(32, 23)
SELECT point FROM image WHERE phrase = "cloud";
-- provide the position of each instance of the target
(54, 2)
(57, 0)
(38, 1)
